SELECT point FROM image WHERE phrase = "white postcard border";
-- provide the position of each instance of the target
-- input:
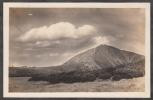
(6, 93)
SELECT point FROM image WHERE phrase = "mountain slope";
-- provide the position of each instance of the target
(104, 56)
(104, 62)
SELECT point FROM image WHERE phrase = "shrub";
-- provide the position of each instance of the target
(66, 77)
(116, 77)
(105, 76)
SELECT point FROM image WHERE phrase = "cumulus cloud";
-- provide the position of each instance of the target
(57, 31)
(101, 40)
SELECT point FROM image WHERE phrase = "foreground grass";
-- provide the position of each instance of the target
(21, 84)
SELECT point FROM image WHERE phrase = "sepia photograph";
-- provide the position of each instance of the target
(76, 50)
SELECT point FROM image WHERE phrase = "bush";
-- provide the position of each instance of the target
(116, 77)
(20, 72)
(128, 73)
(66, 77)
(105, 76)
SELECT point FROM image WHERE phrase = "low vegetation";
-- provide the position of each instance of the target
(104, 62)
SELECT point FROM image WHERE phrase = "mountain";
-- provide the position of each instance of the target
(102, 62)
(104, 56)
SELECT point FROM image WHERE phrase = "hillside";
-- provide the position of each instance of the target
(103, 62)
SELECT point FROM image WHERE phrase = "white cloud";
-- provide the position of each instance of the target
(68, 54)
(101, 40)
(42, 43)
(29, 14)
(56, 31)
(15, 64)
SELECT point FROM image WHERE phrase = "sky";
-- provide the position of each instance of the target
(50, 36)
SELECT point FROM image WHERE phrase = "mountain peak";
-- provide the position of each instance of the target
(104, 56)
(104, 62)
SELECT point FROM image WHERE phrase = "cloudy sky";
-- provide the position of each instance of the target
(51, 36)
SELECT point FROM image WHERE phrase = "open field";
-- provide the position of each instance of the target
(21, 84)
